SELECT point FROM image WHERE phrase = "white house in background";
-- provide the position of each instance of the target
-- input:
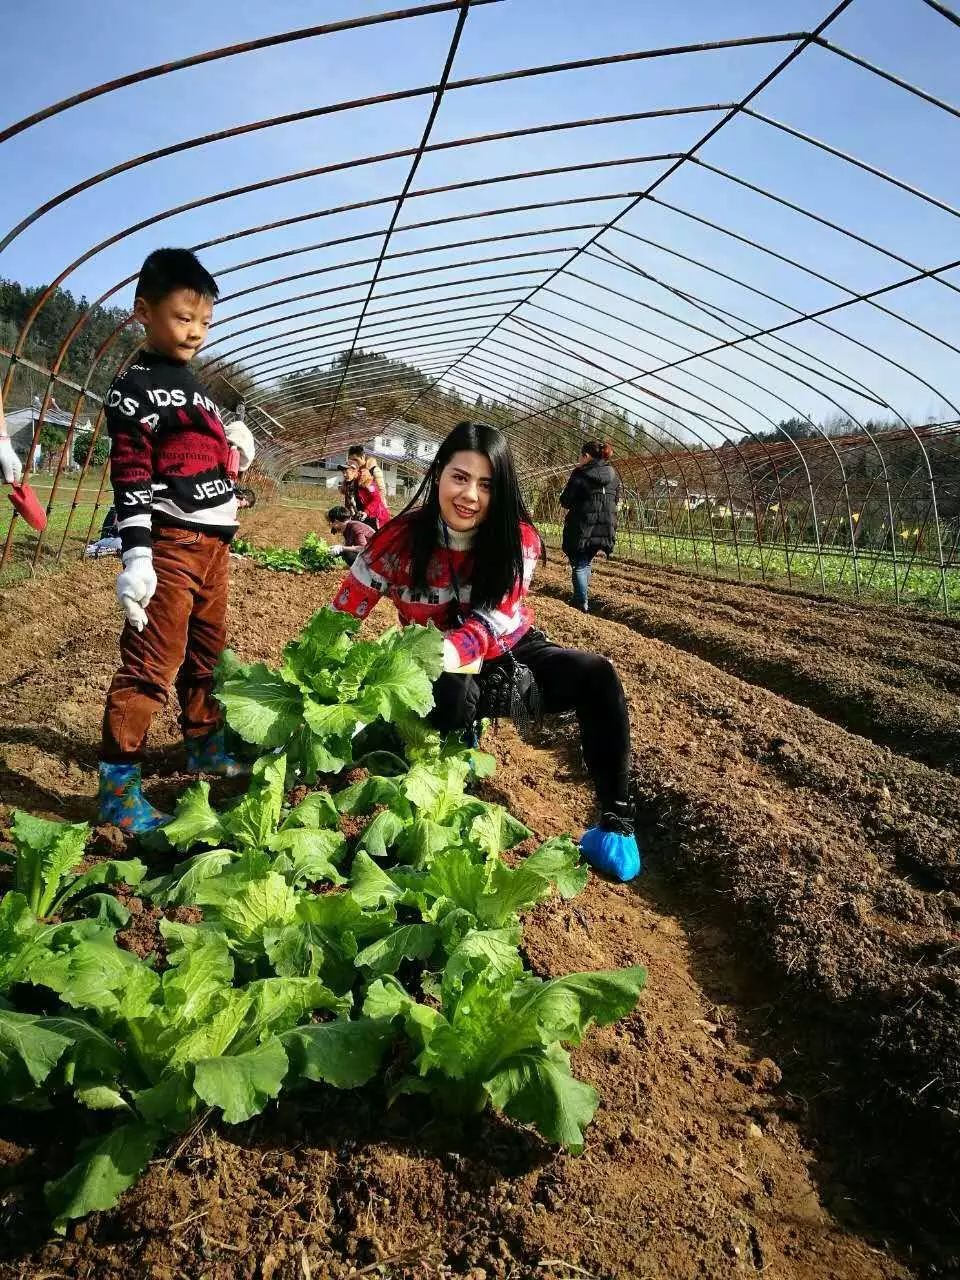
(388, 448)
(21, 424)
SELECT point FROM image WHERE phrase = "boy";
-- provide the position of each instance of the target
(355, 533)
(170, 469)
(364, 461)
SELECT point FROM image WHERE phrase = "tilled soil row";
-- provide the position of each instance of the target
(892, 676)
(841, 860)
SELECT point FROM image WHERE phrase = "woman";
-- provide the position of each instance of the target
(591, 496)
(462, 556)
(363, 488)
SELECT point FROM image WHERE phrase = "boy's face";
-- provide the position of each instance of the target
(336, 526)
(177, 325)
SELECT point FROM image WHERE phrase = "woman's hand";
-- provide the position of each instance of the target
(452, 662)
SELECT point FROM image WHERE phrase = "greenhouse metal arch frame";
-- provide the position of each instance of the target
(567, 313)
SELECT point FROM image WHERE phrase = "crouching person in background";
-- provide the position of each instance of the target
(462, 555)
(355, 533)
(170, 470)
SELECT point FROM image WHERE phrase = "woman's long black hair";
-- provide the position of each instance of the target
(498, 550)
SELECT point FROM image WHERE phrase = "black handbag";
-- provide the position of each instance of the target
(509, 689)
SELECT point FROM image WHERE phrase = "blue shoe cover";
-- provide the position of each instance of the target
(121, 800)
(614, 854)
(209, 755)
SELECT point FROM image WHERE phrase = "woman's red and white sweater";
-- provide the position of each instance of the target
(384, 568)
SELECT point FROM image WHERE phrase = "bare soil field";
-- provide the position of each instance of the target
(784, 1101)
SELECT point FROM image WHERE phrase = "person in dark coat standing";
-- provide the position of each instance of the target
(591, 496)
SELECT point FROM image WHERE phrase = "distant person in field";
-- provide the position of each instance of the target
(11, 468)
(590, 496)
(363, 488)
(177, 513)
(355, 533)
(462, 555)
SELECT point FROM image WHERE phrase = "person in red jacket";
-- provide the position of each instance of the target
(362, 490)
(174, 492)
(462, 556)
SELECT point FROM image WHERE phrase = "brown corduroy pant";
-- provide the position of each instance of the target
(181, 644)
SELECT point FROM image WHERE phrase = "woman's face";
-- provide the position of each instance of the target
(464, 490)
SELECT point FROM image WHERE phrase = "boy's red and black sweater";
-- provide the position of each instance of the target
(385, 568)
(168, 453)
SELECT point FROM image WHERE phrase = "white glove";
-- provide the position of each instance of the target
(337, 549)
(241, 437)
(10, 465)
(454, 663)
(136, 585)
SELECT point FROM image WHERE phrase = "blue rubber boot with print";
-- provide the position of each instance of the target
(120, 800)
(210, 755)
(611, 846)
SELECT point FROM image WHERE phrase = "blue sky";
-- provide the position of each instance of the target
(51, 50)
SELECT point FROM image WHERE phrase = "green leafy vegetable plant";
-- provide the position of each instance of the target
(47, 856)
(329, 686)
(313, 556)
(255, 840)
(498, 1036)
(156, 1049)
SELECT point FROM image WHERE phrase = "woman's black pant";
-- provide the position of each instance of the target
(569, 680)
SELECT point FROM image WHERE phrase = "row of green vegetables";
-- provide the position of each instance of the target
(312, 556)
(370, 930)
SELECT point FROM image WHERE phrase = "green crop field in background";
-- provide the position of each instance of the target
(879, 574)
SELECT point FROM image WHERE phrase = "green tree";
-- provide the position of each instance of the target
(51, 437)
(99, 450)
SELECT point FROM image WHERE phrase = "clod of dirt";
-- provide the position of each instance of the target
(761, 1075)
(353, 825)
(184, 915)
(142, 933)
(108, 841)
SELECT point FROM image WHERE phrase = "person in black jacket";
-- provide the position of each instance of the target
(590, 496)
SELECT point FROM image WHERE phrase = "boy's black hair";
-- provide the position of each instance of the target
(337, 514)
(167, 269)
(356, 451)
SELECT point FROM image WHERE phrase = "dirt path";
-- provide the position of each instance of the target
(800, 899)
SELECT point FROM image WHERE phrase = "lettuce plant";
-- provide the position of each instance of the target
(327, 688)
(47, 855)
(498, 1036)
